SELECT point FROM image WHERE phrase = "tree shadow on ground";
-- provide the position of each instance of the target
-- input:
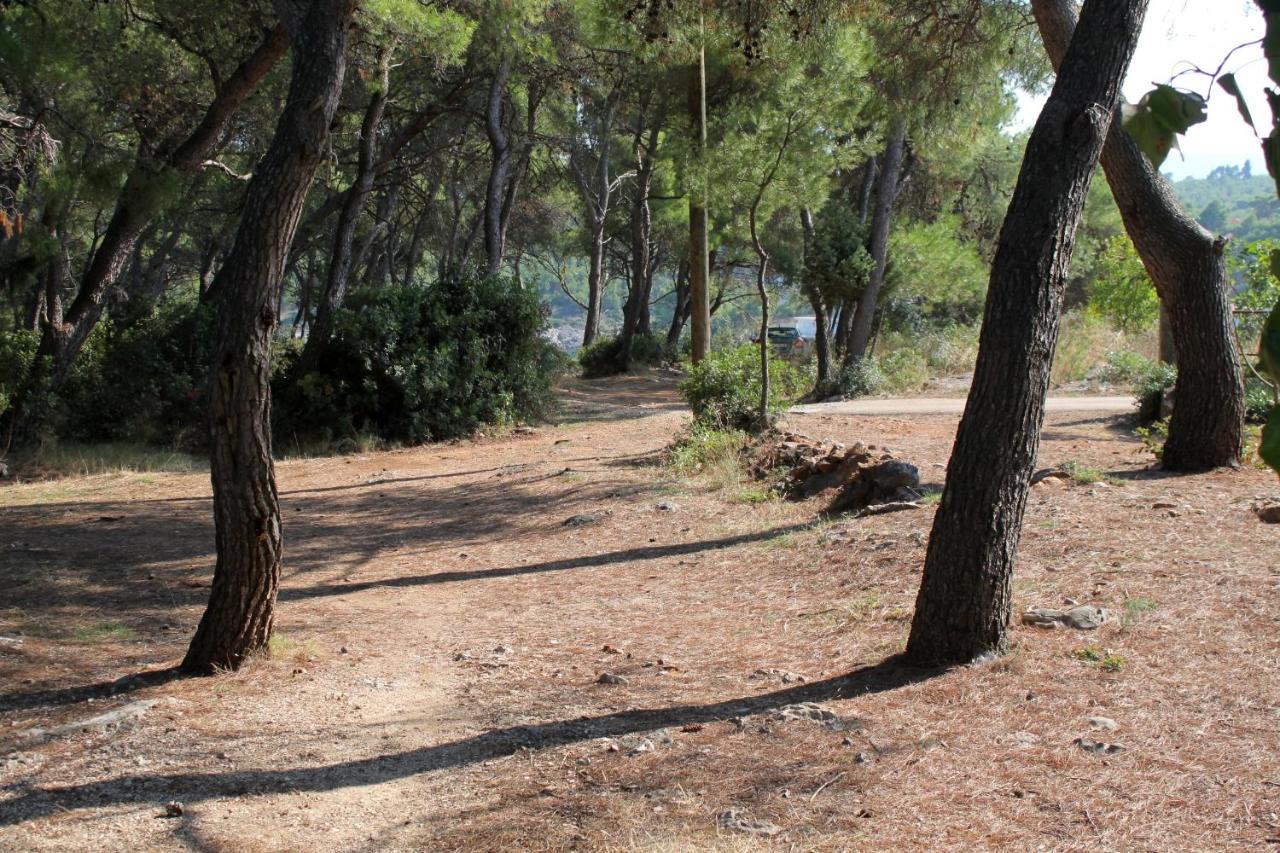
(33, 802)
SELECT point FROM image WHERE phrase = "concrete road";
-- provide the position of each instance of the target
(955, 406)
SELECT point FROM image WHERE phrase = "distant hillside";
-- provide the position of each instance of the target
(1232, 200)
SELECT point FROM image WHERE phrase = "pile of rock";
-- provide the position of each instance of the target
(863, 475)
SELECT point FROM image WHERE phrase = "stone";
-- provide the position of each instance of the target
(1084, 617)
(1097, 747)
(813, 712)
(584, 518)
(1103, 723)
(1024, 740)
(1269, 513)
(895, 474)
(667, 506)
(173, 809)
(784, 676)
(611, 678)
(736, 820)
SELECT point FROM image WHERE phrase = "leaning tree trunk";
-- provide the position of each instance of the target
(64, 334)
(1188, 267)
(635, 314)
(246, 509)
(964, 604)
(881, 220)
(680, 311)
(500, 166)
(595, 285)
(821, 331)
(340, 263)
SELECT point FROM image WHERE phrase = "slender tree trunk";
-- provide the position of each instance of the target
(500, 155)
(881, 220)
(679, 313)
(136, 205)
(340, 262)
(246, 508)
(821, 333)
(699, 269)
(963, 608)
(1188, 267)
(636, 311)
(595, 285)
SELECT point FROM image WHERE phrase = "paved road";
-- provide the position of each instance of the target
(955, 405)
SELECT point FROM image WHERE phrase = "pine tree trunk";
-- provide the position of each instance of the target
(500, 151)
(1188, 267)
(881, 220)
(699, 268)
(821, 332)
(595, 285)
(964, 603)
(680, 312)
(340, 262)
(246, 509)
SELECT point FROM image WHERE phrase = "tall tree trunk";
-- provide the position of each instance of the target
(595, 285)
(636, 311)
(699, 255)
(680, 312)
(138, 202)
(881, 220)
(822, 332)
(500, 156)
(963, 608)
(246, 508)
(340, 262)
(1188, 267)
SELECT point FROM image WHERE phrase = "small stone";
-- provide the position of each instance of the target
(736, 820)
(666, 506)
(1104, 723)
(584, 518)
(343, 650)
(1269, 513)
(782, 675)
(611, 678)
(502, 650)
(1097, 747)
(611, 650)
(173, 809)
(1025, 739)
(861, 758)
(1164, 503)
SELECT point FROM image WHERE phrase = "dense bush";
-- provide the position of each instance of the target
(145, 382)
(860, 379)
(412, 364)
(17, 348)
(724, 388)
(604, 356)
(1258, 400)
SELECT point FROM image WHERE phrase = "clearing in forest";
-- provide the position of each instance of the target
(448, 612)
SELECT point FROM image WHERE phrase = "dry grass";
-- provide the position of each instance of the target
(445, 633)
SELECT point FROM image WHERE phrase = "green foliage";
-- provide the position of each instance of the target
(1258, 399)
(933, 267)
(604, 356)
(1153, 436)
(414, 364)
(724, 388)
(1084, 475)
(702, 447)
(1121, 291)
(837, 261)
(1160, 117)
(1269, 446)
(860, 379)
(17, 349)
(1124, 367)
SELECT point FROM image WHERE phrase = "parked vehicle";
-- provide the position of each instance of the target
(794, 339)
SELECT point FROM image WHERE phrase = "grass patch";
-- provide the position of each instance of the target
(931, 496)
(58, 459)
(754, 495)
(282, 647)
(81, 634)
(1087, 475)
(710, 454)
(1135, 609)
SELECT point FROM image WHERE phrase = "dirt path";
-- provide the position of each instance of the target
(955, 406)
(442, 630)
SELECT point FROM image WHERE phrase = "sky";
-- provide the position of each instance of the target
(1181, 34)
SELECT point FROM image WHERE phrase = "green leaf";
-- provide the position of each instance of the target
(1160, 117)
(1232, 87)
(1269, 346)
(1269, 449)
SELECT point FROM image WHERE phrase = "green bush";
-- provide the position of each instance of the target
(414, 364)
(604, 356)
(17, 349)
(145, 382)
(1124, 367)
(724, 388)
(1258, 400)
(860, 379)
(904, 371)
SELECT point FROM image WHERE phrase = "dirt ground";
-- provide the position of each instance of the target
(434, 683)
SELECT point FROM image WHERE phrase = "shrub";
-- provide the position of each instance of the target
(724, 388)
(415, 364)
(702, 447)
(860, 379)
(144, 382)
(904, 371)
(1258, 400)
(17, 349)
(604, 357)
(1124, 367)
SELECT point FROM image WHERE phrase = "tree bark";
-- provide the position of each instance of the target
(500, 156)
(636, 312)
(699, 268)
(964, 603)
(340, 263)
(822, 332)
(680, 312)
(246, 508)
(64, 335)
(881, 220)
(1188, 267)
